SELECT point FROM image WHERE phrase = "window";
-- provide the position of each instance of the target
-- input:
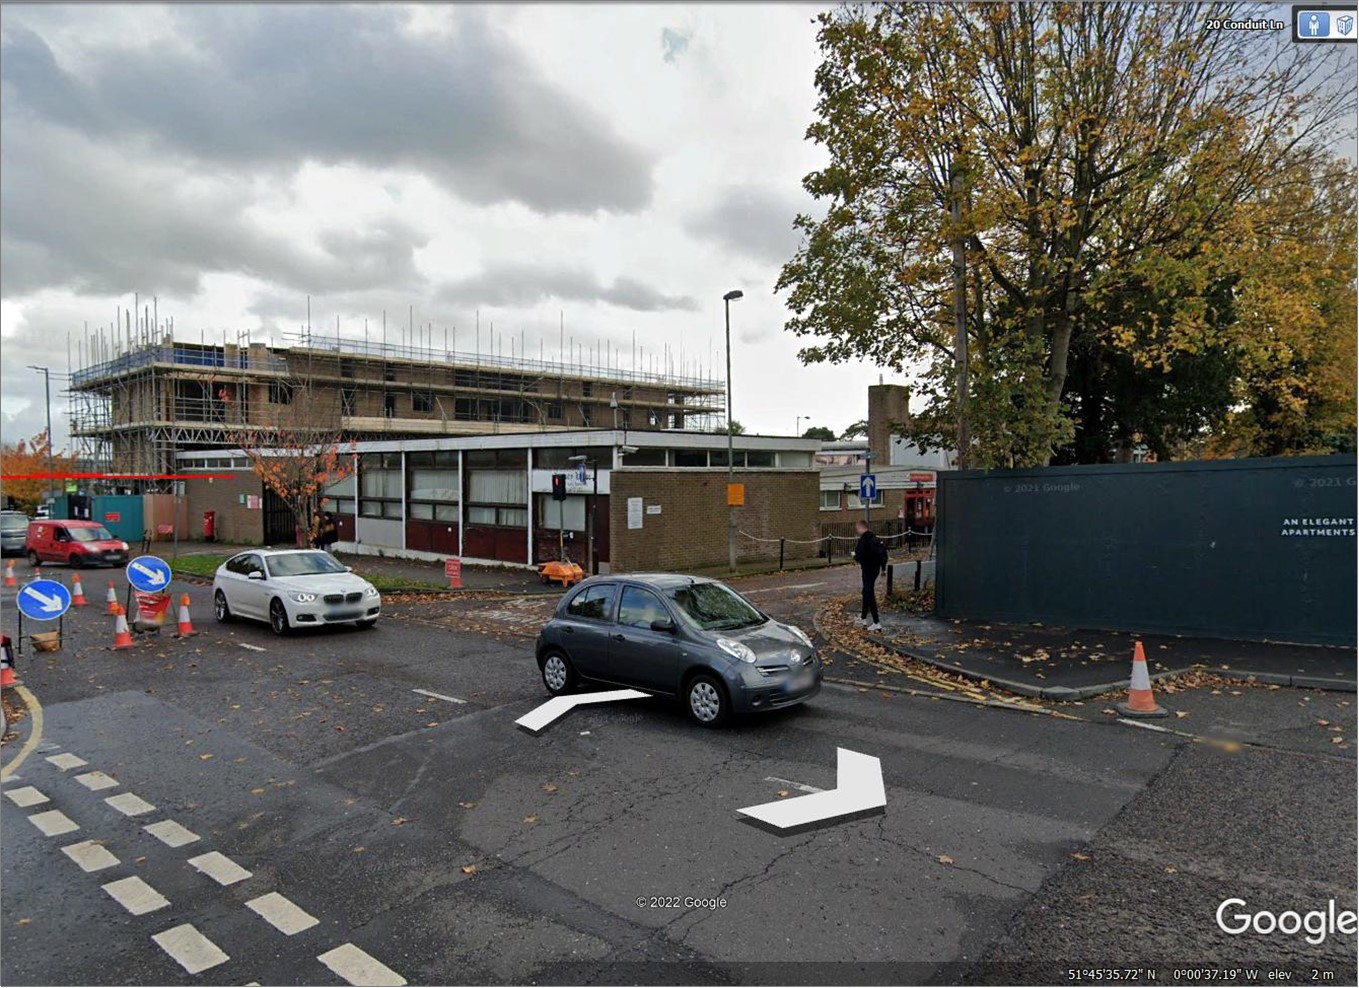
(555, 411)
(380, 485)
(637, 608)
(498, 487)
(422, 401)
(760, 458)
(718, 458)
(830, 500)
(568, 515)
(244, 565)
(346, 368)
(714, 607)
(587, 389)
(349, 399)
(645, 458)
(388, 404)
(280, 393)
(691, 458)
(592, 603)
(855, 503)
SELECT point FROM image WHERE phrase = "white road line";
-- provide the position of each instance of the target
(359, 968)
(1145, 726)
(190, 949)
(94, 781)
(129, 804)
(66, 761)
(791, 784)
(220, 868)
(25, 797)
(136, 896)
(282, 914)
(791, 586)
(90, 856)
(253, 648)
(169, 832)
(53, 823)
(439, 696)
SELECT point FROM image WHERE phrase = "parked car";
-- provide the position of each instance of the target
(682, 636)
(13, 533)
(293, 588)
(76, 543)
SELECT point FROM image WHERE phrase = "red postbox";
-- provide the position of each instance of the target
(209, 526)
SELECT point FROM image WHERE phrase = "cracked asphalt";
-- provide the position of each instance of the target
(456, 849)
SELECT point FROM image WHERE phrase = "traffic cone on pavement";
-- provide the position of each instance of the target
(7, 677)
(185, 625)
(112, 600)
(37, 572)
(1141, 702)
(10, 581)
(122, 637)
(77, 592)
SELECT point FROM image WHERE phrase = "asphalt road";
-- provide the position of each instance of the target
(427, 835)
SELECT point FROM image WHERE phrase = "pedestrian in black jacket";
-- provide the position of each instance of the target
(871, 554)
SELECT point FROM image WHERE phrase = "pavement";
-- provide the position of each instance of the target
(1068, 664)
(359, 807)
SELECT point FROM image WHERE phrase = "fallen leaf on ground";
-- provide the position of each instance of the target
(399, 821)
(467, 806)
(530, 820)
(469, 869)
(360, 849)
(1110, 711)
(1337, 740)
(1080, 856)
(945, 859)
(1181, 713)
(25, 921)
(549, 787)
(1323, 723)
(203, 758)
(1171, 870)
(782, 793)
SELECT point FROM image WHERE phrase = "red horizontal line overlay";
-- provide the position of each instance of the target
(118, 476)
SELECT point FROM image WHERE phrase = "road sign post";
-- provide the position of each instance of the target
(42, 600)
(148, 573)
(453, 570)
(868, 489)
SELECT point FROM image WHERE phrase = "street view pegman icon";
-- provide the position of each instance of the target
(1314, 23)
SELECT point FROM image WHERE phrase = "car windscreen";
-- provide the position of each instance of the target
(304, 564)
(97, 534)
(714, 607)
(13, 523)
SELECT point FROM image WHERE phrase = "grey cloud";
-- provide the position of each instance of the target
(517, 285)
(276, 85)
(38, 338)
(100, 222)
(753, 220)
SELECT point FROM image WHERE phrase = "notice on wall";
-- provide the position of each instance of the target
(653, 509)
(252, 502)
(634, 512)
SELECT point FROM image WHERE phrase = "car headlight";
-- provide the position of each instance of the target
(303, 598)
(124, 546)
(736, 649)
(371, 592)
(802, 635)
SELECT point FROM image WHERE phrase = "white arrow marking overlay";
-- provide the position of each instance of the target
(155, 577)
(541, 716)
(858, 789)
(49, 604)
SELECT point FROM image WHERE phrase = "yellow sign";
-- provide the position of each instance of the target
(736, 495)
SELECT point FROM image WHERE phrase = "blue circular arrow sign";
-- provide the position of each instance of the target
(148, 573)
(43, 600)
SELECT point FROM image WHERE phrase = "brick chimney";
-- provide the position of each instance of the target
(888, 410)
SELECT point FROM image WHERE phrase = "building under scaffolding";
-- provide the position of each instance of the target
(132, 411)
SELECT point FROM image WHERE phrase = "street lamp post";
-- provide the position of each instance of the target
(868, 468)
(47, 392)
(797, 424)
(592, 521)
(727, 299)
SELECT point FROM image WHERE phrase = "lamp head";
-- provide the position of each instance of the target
(733, 295)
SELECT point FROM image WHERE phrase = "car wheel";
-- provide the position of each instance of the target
(559, 676)
(706, 701)
(220, 608)
(278, 617)
(75, 561)
(366, 623)
(33, 559)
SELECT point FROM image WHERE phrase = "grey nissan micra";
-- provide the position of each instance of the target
(683, 636)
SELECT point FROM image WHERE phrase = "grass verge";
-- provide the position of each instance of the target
(205, 566)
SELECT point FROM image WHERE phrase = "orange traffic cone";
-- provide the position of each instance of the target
(1141, 702)
(112, 600)
(185, 625)
(77, 591)
(7, 677)
(10, 581)
(122, 637)
(37, 572)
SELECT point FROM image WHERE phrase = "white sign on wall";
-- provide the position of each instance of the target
(541, 481)
(634, 512)
(653, 509)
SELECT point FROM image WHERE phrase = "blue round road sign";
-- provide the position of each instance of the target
(148, 573)
(43, 600)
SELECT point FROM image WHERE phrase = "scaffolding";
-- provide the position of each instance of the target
(138, 396)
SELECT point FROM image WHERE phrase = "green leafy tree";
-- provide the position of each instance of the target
(1086, 159)
(819, 432)
(857, 430)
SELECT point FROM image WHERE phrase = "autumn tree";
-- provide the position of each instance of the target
(20, 461)
(1084, 161)
(295, 443)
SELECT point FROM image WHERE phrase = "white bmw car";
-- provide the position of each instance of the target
(293, 588)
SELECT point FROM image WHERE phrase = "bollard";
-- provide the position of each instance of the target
(917, 574)
(890, 567)
(781, 555)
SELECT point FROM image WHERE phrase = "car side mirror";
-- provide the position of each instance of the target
(349, 569)
(663, 624)
(255, 575)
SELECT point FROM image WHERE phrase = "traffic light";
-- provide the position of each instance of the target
(559, 487)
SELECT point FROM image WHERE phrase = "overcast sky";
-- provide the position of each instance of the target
(623, 166)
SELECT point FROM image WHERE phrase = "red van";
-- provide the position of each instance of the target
(78, 543)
